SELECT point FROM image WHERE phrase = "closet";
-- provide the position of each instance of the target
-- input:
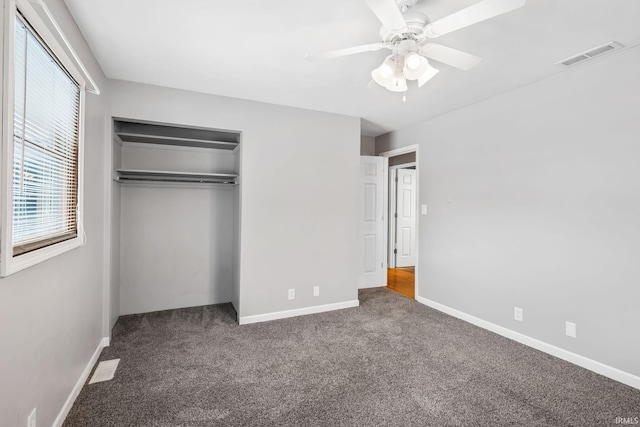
(175, 211)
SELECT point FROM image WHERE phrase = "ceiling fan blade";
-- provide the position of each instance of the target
(348, 51)
(388, 13)
(468, 16)
(428, 75)
(449, 56)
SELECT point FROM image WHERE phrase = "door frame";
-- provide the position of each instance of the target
(393, 153)
(391, 260)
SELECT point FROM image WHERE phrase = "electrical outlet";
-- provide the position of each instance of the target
(518, 314)
(31, 421)
(292, 294)
(423, 209)
(316, 291)
(570, 329)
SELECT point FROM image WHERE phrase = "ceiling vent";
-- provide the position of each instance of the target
(591, 53)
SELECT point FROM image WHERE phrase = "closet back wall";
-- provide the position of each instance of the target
(176, 238)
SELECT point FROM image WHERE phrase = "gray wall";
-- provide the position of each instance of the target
(235, 289)
(533, 202)
(51, 314)
(176, 246)
(113, 223)
(367, 146)
(176, 240)
(402, 159)
(299, 192)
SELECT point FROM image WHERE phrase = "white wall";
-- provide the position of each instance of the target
(51, 315)
(299, 192)
(533, 202)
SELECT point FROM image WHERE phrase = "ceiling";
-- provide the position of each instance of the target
(255, 49)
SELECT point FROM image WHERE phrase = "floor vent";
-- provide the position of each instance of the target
(105, 371)
(591, 53)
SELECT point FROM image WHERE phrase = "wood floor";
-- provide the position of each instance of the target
(402, 280)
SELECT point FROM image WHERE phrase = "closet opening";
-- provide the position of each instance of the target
(175, 218)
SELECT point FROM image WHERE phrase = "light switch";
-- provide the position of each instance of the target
(423, 209)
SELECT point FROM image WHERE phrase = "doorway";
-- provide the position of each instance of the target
(401, 199)
(402, 280)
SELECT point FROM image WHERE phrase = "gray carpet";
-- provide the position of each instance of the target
(389, 362)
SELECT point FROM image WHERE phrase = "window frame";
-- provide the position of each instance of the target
(9, 263)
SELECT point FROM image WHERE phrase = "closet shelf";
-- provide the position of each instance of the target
(172, 176)
(176, 141)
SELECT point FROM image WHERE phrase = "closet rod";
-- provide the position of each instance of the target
(171, 180)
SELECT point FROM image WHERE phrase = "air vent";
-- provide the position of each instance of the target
(105, 371)
(591, 53)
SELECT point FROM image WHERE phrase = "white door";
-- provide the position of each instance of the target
(372, 245)
(406, 218)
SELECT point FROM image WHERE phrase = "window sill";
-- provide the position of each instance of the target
(12, 264)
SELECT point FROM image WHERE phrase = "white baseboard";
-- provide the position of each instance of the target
(576, 359)
(75, 391)
(245, 320)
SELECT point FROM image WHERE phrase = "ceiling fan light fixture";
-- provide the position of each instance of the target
(383, 75)
(405, 33)
(380, 77)
(388, 67)
(398, 83)
(415, 66)
(412, 61)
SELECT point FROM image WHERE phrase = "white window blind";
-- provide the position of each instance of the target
(45, 145)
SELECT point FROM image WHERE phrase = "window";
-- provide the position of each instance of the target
(42, 140)
(45, 146)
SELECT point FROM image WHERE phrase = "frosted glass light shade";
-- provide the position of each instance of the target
(414, 66)
(388, 67)
(398, 83)
(412, 61)
(385, 72)
(379, 77)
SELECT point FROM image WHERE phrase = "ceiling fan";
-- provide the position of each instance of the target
(407, 34)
